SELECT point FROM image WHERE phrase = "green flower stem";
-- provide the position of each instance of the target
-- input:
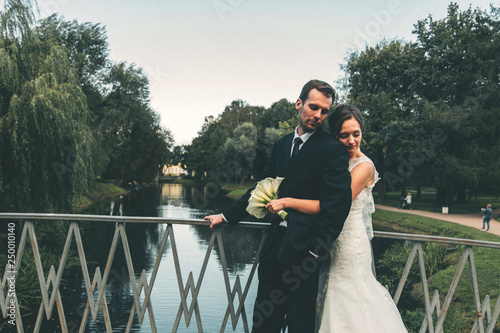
(283, 214)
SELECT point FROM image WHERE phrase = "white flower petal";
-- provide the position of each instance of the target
(257, 209)
(265, 191)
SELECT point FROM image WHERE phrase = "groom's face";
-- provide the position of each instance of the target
(313, 111)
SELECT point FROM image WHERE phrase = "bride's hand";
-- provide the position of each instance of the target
(275, 206)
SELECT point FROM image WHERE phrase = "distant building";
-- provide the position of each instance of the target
(174, 171)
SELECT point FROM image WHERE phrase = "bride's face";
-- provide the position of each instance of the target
(350, 135)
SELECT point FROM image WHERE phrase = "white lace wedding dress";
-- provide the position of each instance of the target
(355, 301)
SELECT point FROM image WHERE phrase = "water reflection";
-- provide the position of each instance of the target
(169, 201)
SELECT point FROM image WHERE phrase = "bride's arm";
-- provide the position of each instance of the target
(302, 205)
(361, 177)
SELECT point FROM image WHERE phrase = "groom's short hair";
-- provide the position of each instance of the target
(322, 86)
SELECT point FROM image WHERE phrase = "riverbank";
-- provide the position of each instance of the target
(99, 191)
(230, 190)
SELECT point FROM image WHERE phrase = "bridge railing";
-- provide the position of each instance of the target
(189, 289)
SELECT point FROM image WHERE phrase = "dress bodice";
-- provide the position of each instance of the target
(363, 205)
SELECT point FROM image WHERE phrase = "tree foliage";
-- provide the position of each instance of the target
(16, 18)
(67, 115)
(208, 154)
(242, 148)
(44, 129)
(460, 65)
(429, 106)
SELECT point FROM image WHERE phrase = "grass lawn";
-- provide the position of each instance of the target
(236, 190)
(100, 190)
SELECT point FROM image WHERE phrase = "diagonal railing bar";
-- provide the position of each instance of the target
(53, 279)
(475, 290)
(237, 288)
(416, 250)
(96, 282)
(485, 313)
(491, 318)
(190, 286)
(136, 290)
(60, 311)
(494, 316)
(143, 283)
(485, 318)
(447, 301)
(423, 275)
(148, 287)
(435, 306)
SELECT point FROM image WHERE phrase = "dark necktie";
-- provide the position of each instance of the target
(296, 144)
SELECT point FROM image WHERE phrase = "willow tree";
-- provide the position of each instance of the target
(45, 142)
(16, 18)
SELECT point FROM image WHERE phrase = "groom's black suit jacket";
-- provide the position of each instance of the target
(318, 172)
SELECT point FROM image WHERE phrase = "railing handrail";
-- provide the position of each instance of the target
(161, 220)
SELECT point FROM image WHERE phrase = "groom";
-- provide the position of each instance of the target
(314, 167)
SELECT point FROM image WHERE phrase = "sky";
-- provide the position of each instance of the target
(200, 55)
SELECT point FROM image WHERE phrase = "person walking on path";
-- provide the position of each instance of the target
(408, 200)
(402, 201)
(488, 213)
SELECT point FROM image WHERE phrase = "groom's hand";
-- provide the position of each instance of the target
(214, 220)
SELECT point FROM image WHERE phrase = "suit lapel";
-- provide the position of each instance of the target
(308, 147)
(287, 148)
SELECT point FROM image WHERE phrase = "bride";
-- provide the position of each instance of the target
(352, 299)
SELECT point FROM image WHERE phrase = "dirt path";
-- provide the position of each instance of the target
(470, 220)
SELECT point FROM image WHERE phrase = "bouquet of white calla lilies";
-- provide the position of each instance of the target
(265, 191)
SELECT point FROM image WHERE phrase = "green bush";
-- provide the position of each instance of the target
(391, 266)
(27, 283)
(413, 319)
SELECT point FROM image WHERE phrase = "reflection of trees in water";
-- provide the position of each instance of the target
(143, 203)
(240, 245)
(143, 241)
